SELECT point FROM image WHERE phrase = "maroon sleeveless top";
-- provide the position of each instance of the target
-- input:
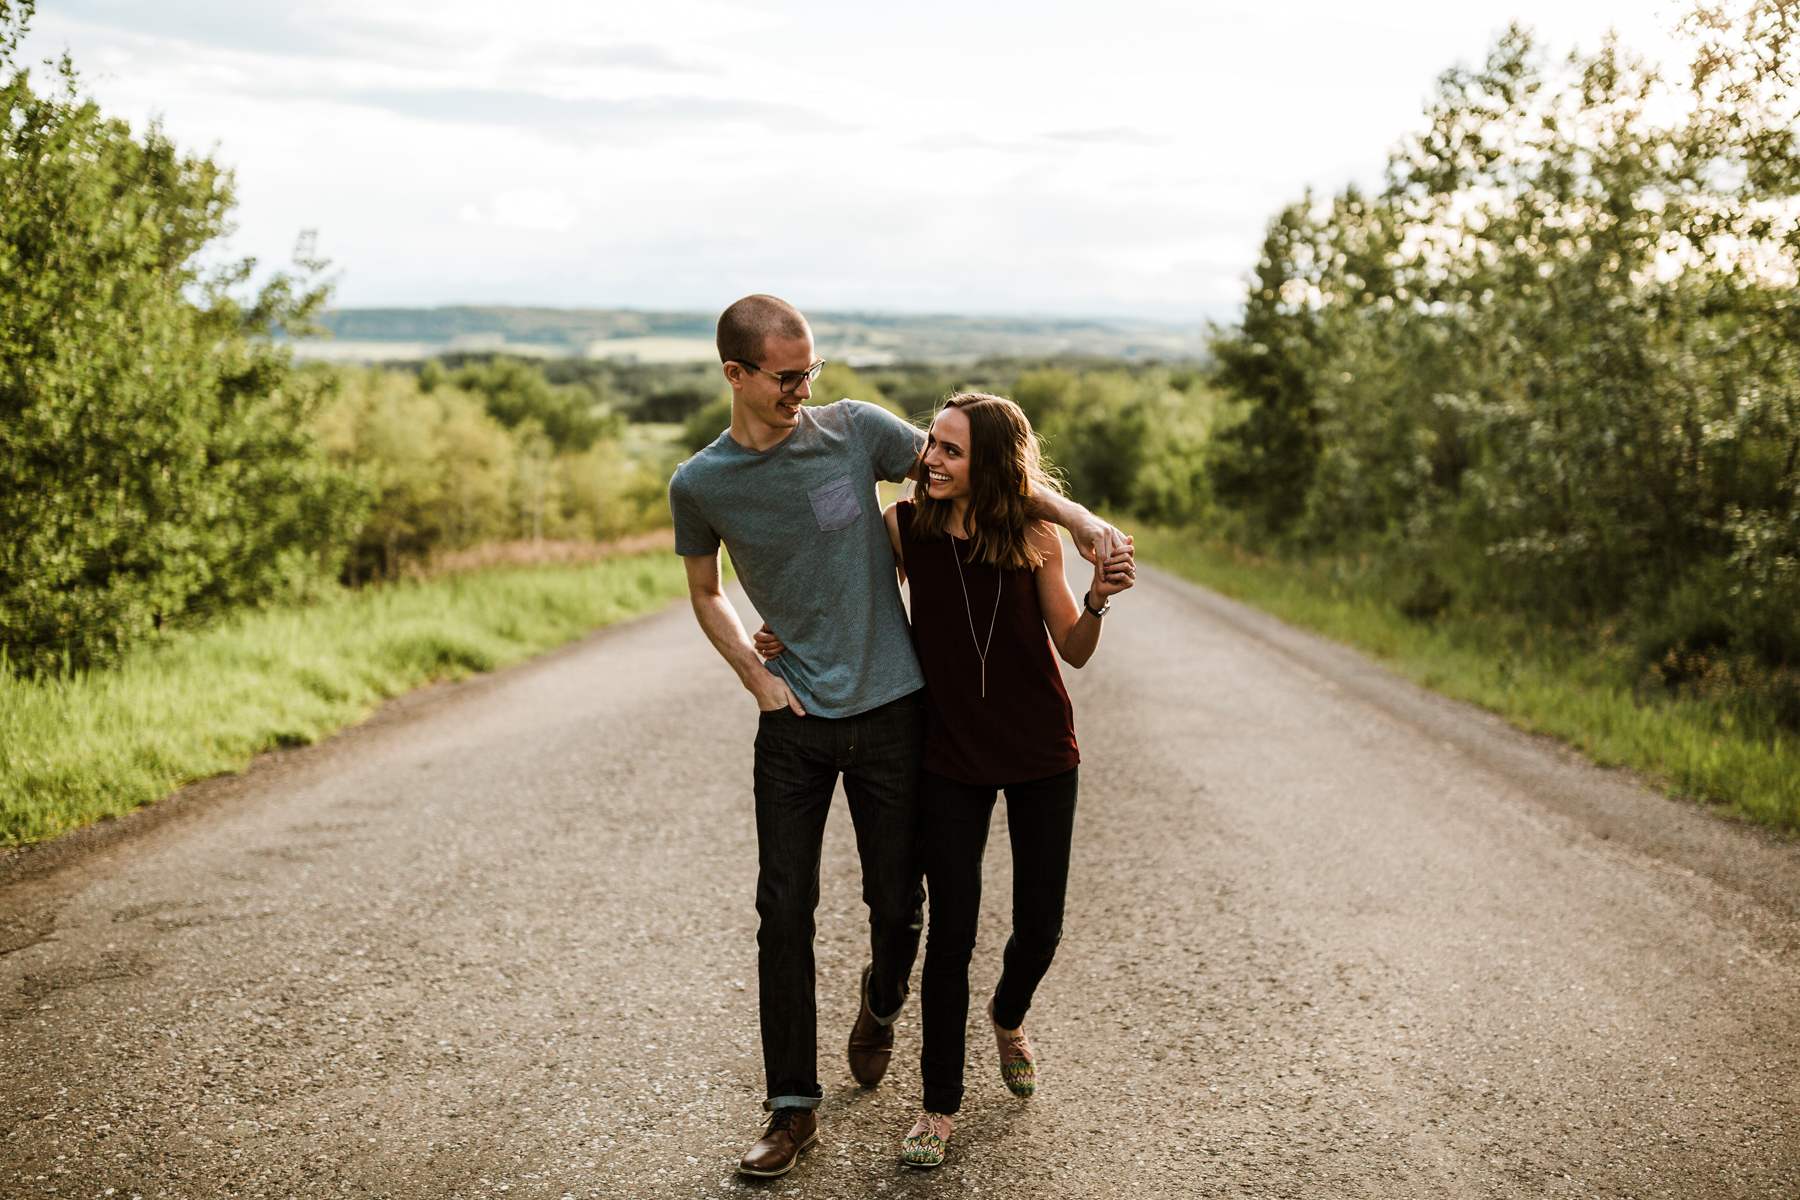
(1024, 729)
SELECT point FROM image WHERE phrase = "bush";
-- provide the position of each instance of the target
(674, 405)
(703, 428)
(154, 459)
(1555, 366)
(439, 469)
(444, 473)
(1132, 443)
(516, 392)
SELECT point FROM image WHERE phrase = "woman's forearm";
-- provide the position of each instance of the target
(1082, 639)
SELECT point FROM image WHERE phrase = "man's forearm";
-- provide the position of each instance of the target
(1057, 509)
(1094, 539)
(719, 621)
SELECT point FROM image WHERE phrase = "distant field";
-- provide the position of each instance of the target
(857, 338)
(640, 349)
(357, 350)
(654, 349)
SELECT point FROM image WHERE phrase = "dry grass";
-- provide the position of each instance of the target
(540, 553)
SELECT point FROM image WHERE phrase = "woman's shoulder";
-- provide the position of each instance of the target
(904, 511)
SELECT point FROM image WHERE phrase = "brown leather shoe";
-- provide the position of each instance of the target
(871, 1042)
(789, 1131)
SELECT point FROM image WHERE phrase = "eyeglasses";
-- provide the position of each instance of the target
(788, 381)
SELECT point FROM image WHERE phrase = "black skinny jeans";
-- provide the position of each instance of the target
(1040, 818)
(798, 760)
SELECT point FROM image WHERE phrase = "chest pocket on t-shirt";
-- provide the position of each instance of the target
(834, 504)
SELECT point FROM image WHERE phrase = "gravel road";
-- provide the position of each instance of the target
(1328, 936)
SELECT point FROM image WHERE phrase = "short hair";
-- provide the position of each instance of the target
(749, 323)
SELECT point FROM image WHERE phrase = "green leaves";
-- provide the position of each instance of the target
(155, 465)
(1556, 359)
(443, 472)
(15, 17)
(517, 392)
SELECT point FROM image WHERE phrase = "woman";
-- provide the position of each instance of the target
(987, 582)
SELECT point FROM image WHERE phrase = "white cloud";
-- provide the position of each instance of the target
(941, 155)
(545, 212)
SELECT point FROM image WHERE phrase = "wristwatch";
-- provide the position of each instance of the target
(1087, 603)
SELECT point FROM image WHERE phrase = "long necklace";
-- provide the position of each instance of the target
(981, 648)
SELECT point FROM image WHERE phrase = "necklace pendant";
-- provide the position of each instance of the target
(981, 648)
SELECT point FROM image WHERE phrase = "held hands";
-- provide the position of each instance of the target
(1114, 558)
(1098, 541)
(1112, 576)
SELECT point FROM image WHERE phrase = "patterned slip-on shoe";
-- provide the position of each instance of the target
(927, 1141)
(1018, 1069)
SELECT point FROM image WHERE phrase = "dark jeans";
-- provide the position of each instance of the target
(798, 760)
(1040, 818)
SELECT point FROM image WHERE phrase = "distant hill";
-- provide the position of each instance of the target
(386, 334)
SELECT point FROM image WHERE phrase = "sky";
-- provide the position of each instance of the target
(1041, 158)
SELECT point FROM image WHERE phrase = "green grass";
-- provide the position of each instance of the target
(101, 743)
(1580, 688)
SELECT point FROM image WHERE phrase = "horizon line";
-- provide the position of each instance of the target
(1172, 320)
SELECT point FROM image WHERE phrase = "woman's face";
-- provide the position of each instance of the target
(947, 456)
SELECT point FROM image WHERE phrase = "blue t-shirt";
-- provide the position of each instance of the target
(803, 525)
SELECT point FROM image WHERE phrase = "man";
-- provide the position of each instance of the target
(790, 490)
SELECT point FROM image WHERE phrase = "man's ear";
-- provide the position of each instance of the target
(734, 374)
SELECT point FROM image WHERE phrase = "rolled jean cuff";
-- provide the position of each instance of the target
(891, 1017)
(775, 1102)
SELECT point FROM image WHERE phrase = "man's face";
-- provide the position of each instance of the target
(759, 396)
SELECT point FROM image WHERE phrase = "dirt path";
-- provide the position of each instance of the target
(1328, 936)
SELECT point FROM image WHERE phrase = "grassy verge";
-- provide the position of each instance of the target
(1579, 689)
(99, 744)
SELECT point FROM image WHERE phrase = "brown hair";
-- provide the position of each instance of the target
(1006, 469)
(747, 324)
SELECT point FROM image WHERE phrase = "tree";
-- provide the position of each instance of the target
(517, 391)
(677, 402)
(1558, 357)
(154, 460)
(1264, 464)
(438, 467)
